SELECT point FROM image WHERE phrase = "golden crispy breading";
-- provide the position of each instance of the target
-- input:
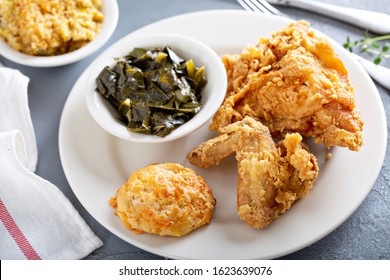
(293, 82)
(270, 177)
(167, 199)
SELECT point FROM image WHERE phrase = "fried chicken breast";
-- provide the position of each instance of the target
(270, 177)
(293, 82)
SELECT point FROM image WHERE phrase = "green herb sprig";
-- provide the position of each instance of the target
(370, 45)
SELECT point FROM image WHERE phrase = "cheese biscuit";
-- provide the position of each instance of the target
(167, 199)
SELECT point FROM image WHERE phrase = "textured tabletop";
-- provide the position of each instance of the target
(364, 235)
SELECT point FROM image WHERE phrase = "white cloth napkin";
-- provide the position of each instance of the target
(36, 220)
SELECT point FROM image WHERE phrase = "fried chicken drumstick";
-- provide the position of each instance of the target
(293, 82)
(270, 177)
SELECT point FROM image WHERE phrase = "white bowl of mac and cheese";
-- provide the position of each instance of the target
(53, 33)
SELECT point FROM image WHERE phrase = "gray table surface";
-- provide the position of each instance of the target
(365, 235)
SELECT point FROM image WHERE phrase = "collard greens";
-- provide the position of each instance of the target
(154, 90)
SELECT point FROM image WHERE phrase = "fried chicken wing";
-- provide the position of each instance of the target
(270, 177)
(293, 82)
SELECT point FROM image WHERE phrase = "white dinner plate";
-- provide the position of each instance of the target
(96, 163)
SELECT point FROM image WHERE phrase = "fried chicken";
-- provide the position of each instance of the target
(293, 82)
(270, 177)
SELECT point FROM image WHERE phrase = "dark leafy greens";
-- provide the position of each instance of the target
(154, 90)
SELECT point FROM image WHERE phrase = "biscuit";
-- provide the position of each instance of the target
(167, 199)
